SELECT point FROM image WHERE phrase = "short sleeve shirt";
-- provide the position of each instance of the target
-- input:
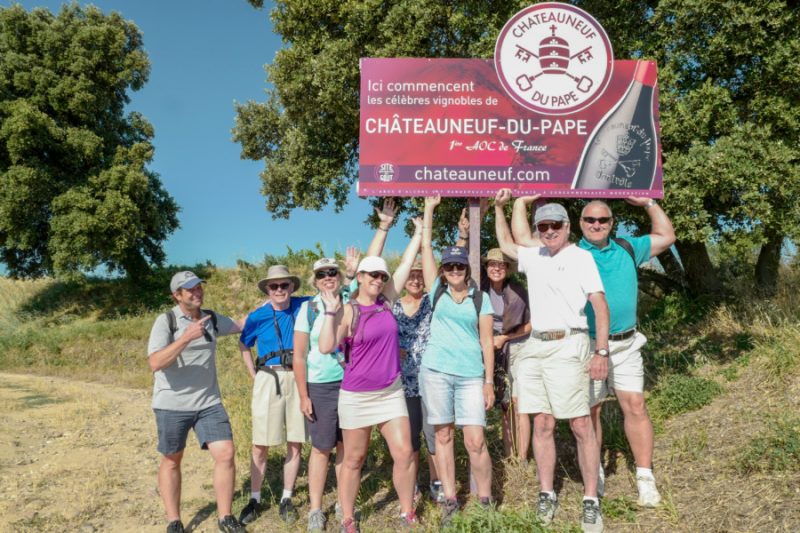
(260, 328)
(559, 286)
(454, 346)
(190, 382)
(618, 272)
(320, 367)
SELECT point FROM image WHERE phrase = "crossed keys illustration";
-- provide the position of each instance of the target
(554, 58)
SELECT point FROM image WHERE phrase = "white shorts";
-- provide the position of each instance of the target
(625, 368)
(365, 409)
(553, 377)
(513, 364)
(277, 417)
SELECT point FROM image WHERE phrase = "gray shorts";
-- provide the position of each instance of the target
(324, 428)
(210, 425)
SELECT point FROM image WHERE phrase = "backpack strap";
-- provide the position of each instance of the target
(477, 296)
(172, 323)
(312, 312)
(626, 245)
(213, 318)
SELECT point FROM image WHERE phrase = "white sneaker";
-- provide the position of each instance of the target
(591, 519)
(601, 482)
(546, 509)
(648, 493)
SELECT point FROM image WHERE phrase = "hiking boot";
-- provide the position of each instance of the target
(229, 524)
(250, 512)
(316, 521)
(449, 510)
(437, 492)
(546, 509)
(409, 521)
(601, 482)
(176, 526)
(592, 520)
(287, 511)
(350, 526)
(648, 493)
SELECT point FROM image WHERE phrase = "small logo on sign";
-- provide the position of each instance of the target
(385, 172)
(553, 58)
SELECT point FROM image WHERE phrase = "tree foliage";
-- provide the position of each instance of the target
(729, 100)
(75, 191)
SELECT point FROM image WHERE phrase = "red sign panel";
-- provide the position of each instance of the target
(447, 126)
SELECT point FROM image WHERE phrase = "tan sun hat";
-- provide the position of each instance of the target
(278, 272)
(496, 254)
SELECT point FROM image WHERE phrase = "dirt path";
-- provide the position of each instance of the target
(81, 457)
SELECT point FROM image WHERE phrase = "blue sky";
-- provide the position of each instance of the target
(205, 55)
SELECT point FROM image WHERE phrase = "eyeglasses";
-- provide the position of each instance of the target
(322, 274)
(545, 226)
(601, 220)
(449, 267)
(282, 286)
(383, 276)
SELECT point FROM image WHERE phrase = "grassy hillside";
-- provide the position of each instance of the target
(722, 378)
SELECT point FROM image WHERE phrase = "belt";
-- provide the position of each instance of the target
(556, 334)
(273, 367)
(622, 336)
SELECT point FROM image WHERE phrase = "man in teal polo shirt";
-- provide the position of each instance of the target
(618, 265)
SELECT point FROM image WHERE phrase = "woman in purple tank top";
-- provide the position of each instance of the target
(372, 391)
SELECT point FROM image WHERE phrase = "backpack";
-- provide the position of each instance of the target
(477, 296)
(172, 322)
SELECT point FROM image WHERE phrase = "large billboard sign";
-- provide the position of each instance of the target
(552, 114)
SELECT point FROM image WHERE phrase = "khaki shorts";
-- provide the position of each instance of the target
(277, 417)
(553, 377)
(625, 368)
(513, 360)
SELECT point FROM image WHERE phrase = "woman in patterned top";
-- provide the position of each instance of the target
(413, 314)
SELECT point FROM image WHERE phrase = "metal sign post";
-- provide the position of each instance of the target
(475, 239)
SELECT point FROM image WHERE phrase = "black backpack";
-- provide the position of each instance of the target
(477, 296)
(629, 248)
(172, 321)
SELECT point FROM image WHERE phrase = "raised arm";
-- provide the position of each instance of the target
(385, 218)
(520, 227)
(463, 222)
(400, 276)
(429, 268)
(662, 234)
(504, 238)
(334, 325)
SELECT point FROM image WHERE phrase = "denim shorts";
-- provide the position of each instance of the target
(449, 398)
(210, 425)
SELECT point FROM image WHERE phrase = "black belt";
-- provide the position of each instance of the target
(271, 369)
(622, 336)
(556, 334)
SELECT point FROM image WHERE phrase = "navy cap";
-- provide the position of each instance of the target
(455, 254)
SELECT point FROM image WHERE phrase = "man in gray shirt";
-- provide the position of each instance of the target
(181, 354)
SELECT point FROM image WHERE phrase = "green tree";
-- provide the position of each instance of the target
(75, 191)
(729, 108)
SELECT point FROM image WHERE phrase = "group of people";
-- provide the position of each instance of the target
(416, 353)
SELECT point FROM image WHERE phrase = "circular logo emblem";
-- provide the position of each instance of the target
(385, 172)
(553, 58)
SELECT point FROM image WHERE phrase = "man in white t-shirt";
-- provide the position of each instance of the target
(554, 366)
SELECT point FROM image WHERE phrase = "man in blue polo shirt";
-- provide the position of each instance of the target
(618, 263)
(276, 402)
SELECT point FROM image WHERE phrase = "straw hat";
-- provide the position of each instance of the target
(278, 272)
(496, 254)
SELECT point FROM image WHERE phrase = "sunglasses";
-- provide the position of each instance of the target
(601, 220)
(545, 226)
(496, 264)
(383, 276)
(282, 286)
(322, 274)
(449, 267)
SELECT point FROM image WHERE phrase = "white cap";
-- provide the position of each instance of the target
(184, 280)
(373, 263)
(325, 262)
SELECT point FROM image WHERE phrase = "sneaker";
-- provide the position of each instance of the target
(546, 509)
(437, 492)
(592, 520)
(316, 521)
(176, 526)
(409, 521)
(338, 511)
(229, 524)
(250, 512)
(449, 510)
(350, 526)
(601, 482)
(485, 502)
(648, 493)
(287, 511)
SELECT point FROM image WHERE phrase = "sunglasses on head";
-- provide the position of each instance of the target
(281, 286)
(592, 220)
(449, 267)
(322, 274)
(545, 226)
(383, 276)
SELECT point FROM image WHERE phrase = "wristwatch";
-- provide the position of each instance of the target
(602, 352)
(650, 204)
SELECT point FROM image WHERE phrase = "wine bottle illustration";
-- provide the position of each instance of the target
(622, 150)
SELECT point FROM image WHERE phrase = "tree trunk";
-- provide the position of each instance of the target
(769, 261)
(671, 265)
(701, 276)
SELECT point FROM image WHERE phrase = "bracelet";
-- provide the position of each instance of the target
(488, 382)
(331, 313)
(650, 204)
(383, 229)
(463, 236)
(350, 276)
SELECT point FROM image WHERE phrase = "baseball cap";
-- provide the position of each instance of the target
(184, 280)
(554, 212)
(455, 254)
(325, 262)
(373, 263)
